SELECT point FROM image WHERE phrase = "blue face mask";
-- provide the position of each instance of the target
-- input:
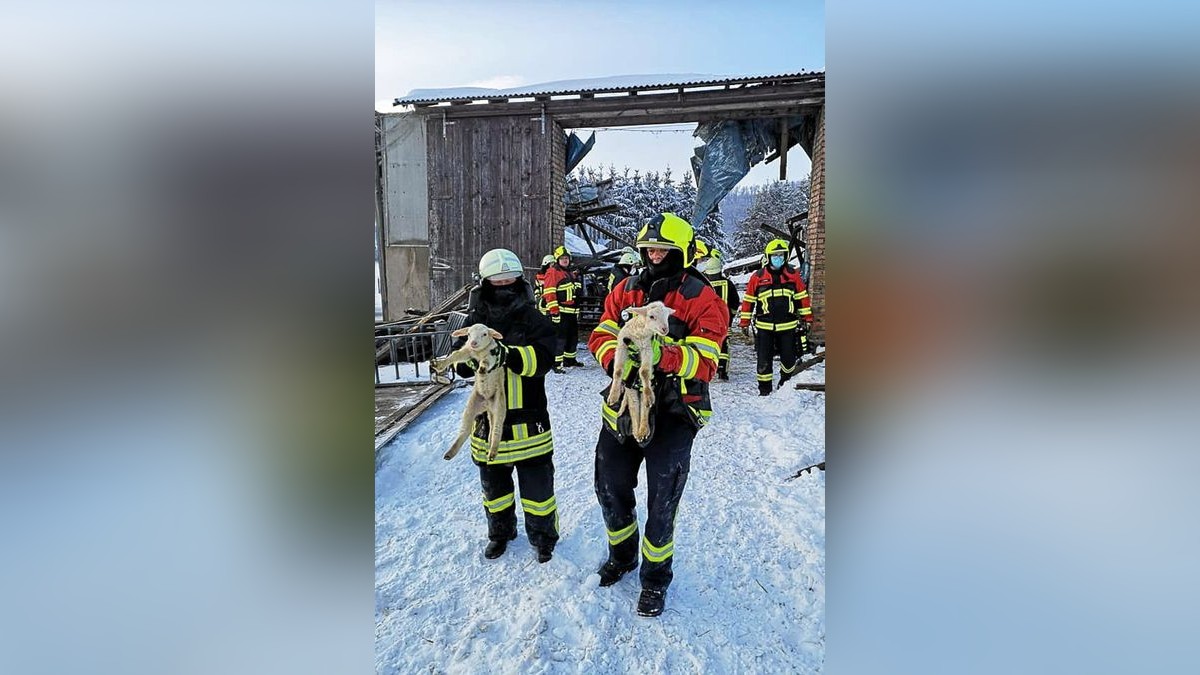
(776, 261)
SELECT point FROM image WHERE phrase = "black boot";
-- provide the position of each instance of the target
(496, 548)
(559, 369)
(545, 553)
(722, 373)
(764, 388)
(612, 571)
(651, 602)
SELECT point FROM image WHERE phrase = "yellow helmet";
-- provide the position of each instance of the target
(776, 246)
(701, 250)
(668, 230)
(560, 252)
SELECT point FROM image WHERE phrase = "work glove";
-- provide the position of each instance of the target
(629, 374)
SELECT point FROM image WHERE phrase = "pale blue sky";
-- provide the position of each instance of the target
(497, 44)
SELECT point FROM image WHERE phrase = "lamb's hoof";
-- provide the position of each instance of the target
(613, 401)
(450, 454)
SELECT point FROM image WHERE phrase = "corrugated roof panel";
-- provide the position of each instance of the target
(589, 86)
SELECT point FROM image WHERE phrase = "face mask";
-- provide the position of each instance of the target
(505, 294)
(776, 261)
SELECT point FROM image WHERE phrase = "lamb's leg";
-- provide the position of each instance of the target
(496, 414)
(632, 401)
(474, 407)
(614, 391)
(443, 364)
(646, 402)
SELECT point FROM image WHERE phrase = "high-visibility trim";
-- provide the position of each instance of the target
(605, 348)
(609, 326)
(539, 508)
(622, 534)
(499, 503)
(513, 450)
(786, 325)
(550, 289)
(514, 390)
(570, 355)
(801, 295)
(707, 348)
(609, 415)
(570, 291)
(520, 432)
(568, 310)
(805, 311)
(657, 553)
(777, 293)
(528, 360)
(765, 378)
(750, 298)
(724, 357)
(784, 369)
(745, 315)
(553, 304)
(689, 363)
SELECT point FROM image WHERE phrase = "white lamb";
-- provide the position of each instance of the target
(488, 394)
(644, 323)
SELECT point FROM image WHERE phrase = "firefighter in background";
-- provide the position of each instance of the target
(701, 254)
(562, 285)
(713, 268)
(540, 284)
(684, 362)
(504, 302)
(623, 268)
(777, 301)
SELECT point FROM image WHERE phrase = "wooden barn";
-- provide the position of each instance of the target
(463, 171)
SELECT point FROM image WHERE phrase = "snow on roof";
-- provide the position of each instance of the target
(577, 245)
(585, 85)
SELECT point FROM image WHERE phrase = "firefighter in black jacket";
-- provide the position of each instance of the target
(505, 303)
(713, 268)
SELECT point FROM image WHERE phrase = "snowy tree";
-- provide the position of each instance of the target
(773, 205)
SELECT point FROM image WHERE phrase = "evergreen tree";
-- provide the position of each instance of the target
(773, 205)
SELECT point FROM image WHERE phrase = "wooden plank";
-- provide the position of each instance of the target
(818, 386)
(811, 362)
(384, 437)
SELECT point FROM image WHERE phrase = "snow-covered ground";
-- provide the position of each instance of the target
(749, 588)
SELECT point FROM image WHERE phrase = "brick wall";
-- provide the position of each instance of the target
(815, 235)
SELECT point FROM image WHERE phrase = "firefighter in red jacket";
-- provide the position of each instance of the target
(684, 362)
(561, 286)
(539, 285)
(713, 269)
(777, 301)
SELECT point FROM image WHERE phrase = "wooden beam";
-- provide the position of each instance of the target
(777, 232)
(608, 234)
(783, 147)
(817, 386)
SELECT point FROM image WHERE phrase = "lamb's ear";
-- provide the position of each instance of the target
(495, 334)
(667, 310)
(460, 332)
(639, 310)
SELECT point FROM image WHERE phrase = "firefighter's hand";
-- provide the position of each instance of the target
(654, 356)
(746, 331)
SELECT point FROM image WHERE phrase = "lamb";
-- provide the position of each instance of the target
(487, 396)
(643, 325)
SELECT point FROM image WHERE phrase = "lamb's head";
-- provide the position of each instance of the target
(479, 336)
(656, 315)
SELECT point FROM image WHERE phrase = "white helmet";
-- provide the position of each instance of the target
(500, 263)
(547, 259)
(629, 258)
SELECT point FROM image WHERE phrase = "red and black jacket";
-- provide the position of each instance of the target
(776, 299)
(692, 348)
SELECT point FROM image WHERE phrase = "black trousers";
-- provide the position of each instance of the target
(668, 459)
(568, 339)
(723, 361)
(536, 477)
(771, 343)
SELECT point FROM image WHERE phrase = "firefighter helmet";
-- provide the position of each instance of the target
(667, 230)
(560, 252)
(500, 263)
(776, 246)
(629, 258)
(701, 249)
(547, 260)
(712, 266)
